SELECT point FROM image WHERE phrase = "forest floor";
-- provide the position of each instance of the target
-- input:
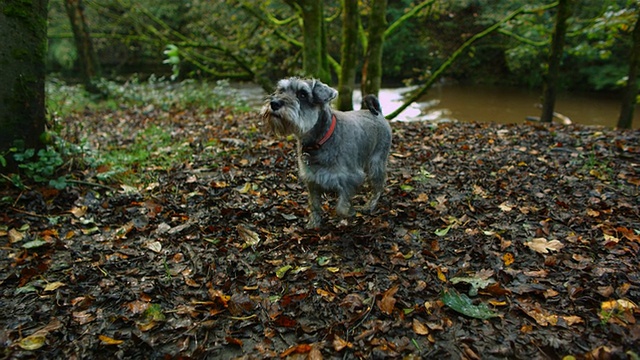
(491, 241)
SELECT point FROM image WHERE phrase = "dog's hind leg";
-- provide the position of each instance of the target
(315, 206)
(376, 179)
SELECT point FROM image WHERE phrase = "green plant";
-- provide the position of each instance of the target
(40, 167)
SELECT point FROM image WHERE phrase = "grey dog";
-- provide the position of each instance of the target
(337, 151)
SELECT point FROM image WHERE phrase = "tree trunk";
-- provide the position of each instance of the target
(550, 88)
(631, 90)
(347, 78)
(314, 61)
(89, 65)
(23, 30)
(372, 67)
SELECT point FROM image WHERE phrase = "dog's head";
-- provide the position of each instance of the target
(296, 105)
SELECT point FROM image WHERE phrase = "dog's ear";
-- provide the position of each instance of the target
(322, 93)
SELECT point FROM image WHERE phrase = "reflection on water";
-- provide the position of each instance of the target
(483, 104)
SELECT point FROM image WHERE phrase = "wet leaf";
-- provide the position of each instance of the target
(33, 244)
(443, 232)
(33, 342)
(53, 286)
(462, 304)
(282, 271)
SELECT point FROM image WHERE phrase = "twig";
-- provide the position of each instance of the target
(34, 214)
(80, 182)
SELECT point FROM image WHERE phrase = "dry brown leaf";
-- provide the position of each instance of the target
(15, 236)
(339, 344)
(572, 319)
(508, 259)
(419, 328)
(388, 302)
(78, 211)
(543, 246)
(250, 237)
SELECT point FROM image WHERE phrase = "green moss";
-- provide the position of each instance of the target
(20, 54)
(19, 9)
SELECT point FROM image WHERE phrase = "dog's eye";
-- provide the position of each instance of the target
(302, 95)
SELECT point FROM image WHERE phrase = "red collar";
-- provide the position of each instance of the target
(326, 136)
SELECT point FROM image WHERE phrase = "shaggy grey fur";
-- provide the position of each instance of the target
(356, 151)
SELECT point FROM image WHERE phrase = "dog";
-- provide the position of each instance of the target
(337, 151)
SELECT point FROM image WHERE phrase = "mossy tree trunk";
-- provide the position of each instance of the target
(87, 57)
(631, 90)
(23, 30)
(550, 87)
(314, 54)
(347, 78)
(372, 67)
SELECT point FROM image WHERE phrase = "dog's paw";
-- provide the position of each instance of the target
(314, 222)
(345, 211)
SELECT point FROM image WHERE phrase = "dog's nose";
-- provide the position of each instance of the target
(276, 104)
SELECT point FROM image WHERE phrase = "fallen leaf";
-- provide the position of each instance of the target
(339, 344)
(505, 206)
(282, 271)
(419, 328)
(475, 282)
(33, 342)
(250, 237)
(53, 286)
(109, 341)
(572, 319)
(388, 302)
(508, 259)
(15, 236)
(443, 232)
(78, 211)
(233, 341)
(296, 349)
(462, 304)
(542, 246)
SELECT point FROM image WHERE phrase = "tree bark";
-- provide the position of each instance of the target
(314, 58)
(88, 59)
(372, 67)
(631, 89)
(23, 30)
(550, 87)
(347, 78)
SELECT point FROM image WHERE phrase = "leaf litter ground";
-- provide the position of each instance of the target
(491, 241)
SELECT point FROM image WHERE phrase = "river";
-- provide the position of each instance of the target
(455, 102)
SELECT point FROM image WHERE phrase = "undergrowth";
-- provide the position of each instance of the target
(153, 149)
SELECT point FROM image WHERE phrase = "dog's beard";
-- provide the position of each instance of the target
(280, 122)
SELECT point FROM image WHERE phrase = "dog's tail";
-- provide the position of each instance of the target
(371, 103)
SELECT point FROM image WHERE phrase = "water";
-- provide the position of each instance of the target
(514, 105)
(479, 103)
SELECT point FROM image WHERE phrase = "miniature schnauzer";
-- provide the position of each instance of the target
(337, 150)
